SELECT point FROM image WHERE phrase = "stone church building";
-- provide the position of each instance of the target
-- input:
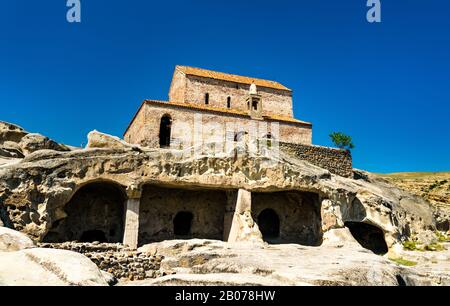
(230, 101)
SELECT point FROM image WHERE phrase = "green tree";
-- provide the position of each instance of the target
(342, 141)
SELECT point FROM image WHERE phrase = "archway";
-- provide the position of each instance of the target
(368, 236)
(182, 224)
(95, 213)
(165, 131)
(269, 224)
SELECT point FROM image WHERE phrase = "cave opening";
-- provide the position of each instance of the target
(269, 224)
(368, 236)
(169, 212)
(94, 213)
(288, 217)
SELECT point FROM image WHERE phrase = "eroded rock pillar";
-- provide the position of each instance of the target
(239, 224)
(131, 232)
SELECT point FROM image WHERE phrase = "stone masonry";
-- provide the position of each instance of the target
(334, 160)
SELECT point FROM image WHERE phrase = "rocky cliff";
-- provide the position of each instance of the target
(38, 177)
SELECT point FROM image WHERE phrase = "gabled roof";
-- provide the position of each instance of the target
(230, 77)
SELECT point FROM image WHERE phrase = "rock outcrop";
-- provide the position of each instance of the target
(48, 267)
(34, 191)
(15, 142)
(364, 210)
(208, 262)
(11, 241)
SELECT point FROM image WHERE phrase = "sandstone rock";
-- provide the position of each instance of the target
(11, 149)
(35, 142)
(11, 132)
(11, 240)
(339, 261)
(48, 267)
(339, 237)
(101, 140)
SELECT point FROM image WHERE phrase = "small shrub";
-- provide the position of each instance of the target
(441, 237)
(403, 262)
(342, 141)
(410, 245)
(434, 247)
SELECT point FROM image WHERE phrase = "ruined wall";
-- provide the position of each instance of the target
(160, 205)
(275, 101)
(147, 133)
(299, 215)
(116, 259)
(336, 161)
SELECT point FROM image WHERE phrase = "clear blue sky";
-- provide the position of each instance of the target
(387, 85)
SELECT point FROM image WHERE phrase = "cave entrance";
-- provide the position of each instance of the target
(368, 236)
(174, 212)
(164, 131)
(95, 213)
(182, 224)
(288, 217)
(269, 224)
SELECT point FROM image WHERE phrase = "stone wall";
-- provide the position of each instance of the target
(145, 128)
(334, 160)
(116, 259)
(192, 89)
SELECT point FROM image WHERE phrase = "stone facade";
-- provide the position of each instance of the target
(334, 160)
(145, 129)
(276, 102)
(220, 99)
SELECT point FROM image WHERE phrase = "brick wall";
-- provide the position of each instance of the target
(192, 89)
(334, 160)
(145, 129)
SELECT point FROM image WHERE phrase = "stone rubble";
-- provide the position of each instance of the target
(117, 259)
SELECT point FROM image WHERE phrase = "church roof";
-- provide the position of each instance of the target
(230, 77)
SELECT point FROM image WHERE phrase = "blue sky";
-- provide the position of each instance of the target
(387, 84)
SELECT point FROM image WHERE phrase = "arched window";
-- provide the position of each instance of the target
(229, 102)
(207, 98)
(182, 224)
(269, 224)
(164, 131)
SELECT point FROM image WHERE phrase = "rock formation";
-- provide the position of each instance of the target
(40, 181)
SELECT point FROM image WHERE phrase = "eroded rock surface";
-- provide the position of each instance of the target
(337, 262)
(11, 240)
(48, 267)
(39, 193)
